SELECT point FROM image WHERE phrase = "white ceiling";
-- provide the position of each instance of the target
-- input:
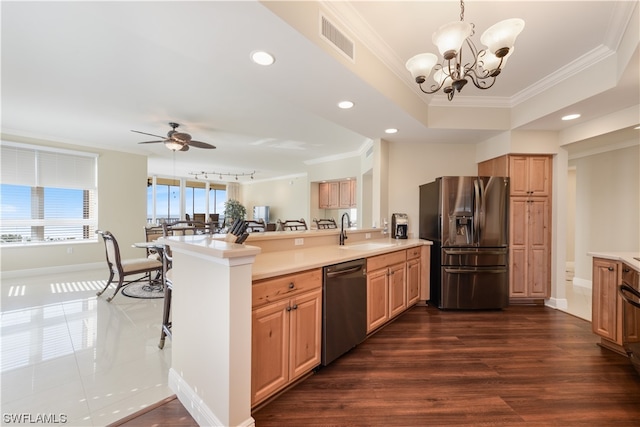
(88, 73)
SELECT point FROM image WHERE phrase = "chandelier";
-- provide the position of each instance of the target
(483, 66)
(205, 175)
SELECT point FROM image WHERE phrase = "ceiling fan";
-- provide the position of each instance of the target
(176, 141)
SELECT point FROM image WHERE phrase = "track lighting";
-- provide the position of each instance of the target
(204, 174)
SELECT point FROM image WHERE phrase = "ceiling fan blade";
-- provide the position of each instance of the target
(150, 134)
(149, 142)
(184, 148)
(200, 144)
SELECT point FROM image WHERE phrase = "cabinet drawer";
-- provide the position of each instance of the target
(382, 261)
(414, 252)
(275, 289)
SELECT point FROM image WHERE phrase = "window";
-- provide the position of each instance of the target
(47, 195)
(168, 199)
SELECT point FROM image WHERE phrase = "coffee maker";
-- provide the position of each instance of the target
(399, 226)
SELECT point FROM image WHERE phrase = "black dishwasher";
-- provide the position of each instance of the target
(344, 308)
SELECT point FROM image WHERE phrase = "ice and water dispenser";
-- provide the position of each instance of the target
(399, 226)
(460, 229)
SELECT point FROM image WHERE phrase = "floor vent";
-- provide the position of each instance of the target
(337, 39)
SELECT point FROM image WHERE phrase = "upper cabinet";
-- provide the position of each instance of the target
(529, 175)
(337, 194)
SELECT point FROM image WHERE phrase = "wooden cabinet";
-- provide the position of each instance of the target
(337, 194)
(286, 331)
(530, 222)
(608, 319)
(413, 275)
(329, 195)
(393, 285)
(529, 248)
(530, 175)
(606, 307)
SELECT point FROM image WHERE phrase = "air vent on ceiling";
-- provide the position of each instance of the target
(369, 152)
(337, 39)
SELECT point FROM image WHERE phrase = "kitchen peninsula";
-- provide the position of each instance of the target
(214, 304)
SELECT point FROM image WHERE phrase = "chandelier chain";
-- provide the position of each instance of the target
(461, 10)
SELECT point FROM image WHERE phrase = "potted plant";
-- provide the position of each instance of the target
(233, 210)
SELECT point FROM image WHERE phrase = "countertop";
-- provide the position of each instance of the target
(626, 257)
(271, 264)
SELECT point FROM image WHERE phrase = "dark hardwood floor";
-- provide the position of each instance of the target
(524, 365)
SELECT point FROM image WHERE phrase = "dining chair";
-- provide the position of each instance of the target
(256, 225)
(126, 267)
(165, 328)
(151, 234)
(293, 224)
(323, 224)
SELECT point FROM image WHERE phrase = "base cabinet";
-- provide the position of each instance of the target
(606, 315)
(393, 285)
(286, 331)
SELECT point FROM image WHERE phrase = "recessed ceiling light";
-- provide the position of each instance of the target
(391, 130)
(345, 105)
(262, 58)
(571, 117)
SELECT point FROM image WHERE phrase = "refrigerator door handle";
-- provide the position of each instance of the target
(475, 252)
(476, 211)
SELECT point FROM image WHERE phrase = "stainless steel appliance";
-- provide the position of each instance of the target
(467, 220)
(261, 212)
(630, 292)
(344, 308)
(399, 225)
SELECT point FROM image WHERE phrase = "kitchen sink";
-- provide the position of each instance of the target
(368, 246)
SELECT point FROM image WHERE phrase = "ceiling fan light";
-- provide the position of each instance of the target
(449, 38)
(174, 145)
(420, 66)
(502, 35)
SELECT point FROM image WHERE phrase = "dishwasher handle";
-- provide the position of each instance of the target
(346, 271)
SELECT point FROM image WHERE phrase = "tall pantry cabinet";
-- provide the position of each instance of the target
(529, 222)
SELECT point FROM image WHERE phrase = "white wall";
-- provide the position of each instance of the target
(411, 165)
(287, 198)
(607, 205)
(122, 207)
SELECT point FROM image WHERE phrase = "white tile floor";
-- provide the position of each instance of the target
(66, 351)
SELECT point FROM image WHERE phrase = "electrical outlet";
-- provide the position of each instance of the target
(367, 235)
(299, 242)
(70, 250)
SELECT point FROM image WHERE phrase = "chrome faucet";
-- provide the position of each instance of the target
(343, 233)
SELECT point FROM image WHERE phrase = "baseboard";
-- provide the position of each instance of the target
(44, 271)
(200, 412)
(557, 303)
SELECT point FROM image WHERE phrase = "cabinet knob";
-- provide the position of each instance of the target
(610, 268)
(289, 308)
(295, 306)
(292, 285)
(626, 270)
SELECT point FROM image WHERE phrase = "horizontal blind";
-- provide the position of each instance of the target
(23, 164)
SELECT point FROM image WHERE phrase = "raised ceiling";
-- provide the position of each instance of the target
(86, 73)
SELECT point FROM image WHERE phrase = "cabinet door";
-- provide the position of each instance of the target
(306, 327)
(604, 307)
(270, 350)
(397, 290)
(323, 195)
(413, 281)
(518, 175)
(377, 298)
(539, 174)
(518, 247)
(334, 195)
(345, 194)
(539, 279)
(354, 199)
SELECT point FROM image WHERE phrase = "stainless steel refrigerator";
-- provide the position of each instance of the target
(466, 217)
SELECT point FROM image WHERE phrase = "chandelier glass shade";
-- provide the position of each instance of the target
(453, 40)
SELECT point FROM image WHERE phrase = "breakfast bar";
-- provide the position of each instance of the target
(212, 307)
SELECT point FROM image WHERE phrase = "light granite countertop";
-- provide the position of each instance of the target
(271, 264)
(629, 258)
